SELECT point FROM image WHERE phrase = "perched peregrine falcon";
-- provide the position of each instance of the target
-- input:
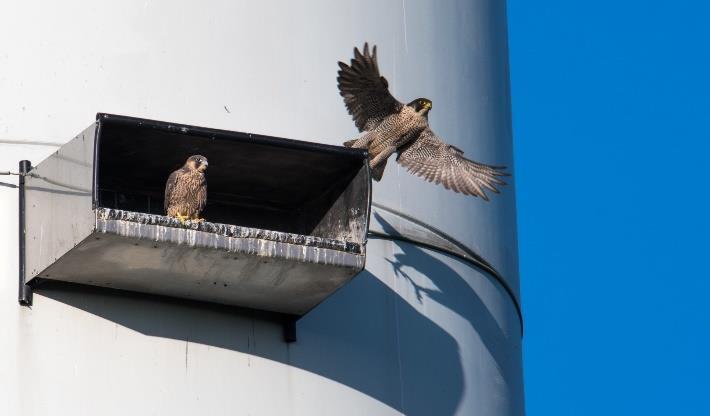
(186, 190)
(390, 126)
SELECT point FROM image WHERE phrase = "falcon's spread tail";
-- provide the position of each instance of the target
(362, 143)
(378, 170)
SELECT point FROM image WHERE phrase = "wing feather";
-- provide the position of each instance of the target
(365, 91)
(169, 188)
(431, 158)
(202, 195)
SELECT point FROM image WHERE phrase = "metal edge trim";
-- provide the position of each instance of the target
(95, 181)
(24, 294)
(104, 118)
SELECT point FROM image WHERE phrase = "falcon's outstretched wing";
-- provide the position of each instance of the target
(365, 91)
(429, 157)
(169, 187)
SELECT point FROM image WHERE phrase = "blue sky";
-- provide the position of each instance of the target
(612, 142)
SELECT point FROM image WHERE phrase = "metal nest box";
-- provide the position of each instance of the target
(286, 221)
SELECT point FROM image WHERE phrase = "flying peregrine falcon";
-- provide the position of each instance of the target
(390, 126)
(186, 190)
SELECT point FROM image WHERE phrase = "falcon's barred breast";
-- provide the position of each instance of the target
(390, 126)
(186, 190)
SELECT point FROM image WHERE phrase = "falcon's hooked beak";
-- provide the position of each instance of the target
(423, 106)
(203, 166)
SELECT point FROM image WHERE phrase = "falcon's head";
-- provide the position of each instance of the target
(421, 105)
(197, 162)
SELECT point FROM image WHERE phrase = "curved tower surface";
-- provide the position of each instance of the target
(426, 329)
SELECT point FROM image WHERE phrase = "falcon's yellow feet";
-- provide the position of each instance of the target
(181, 218)
(198, 219)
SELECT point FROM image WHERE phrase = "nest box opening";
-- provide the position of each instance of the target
(252, 181)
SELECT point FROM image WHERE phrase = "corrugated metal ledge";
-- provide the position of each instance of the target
(241, 239)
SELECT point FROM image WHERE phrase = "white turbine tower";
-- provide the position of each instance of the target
(431, 327)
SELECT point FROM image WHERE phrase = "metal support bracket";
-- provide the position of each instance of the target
(24, 295)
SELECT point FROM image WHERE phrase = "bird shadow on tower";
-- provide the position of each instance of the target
(368, 336)
(441, 290)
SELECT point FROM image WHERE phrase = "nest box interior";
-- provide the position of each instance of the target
(253, 181)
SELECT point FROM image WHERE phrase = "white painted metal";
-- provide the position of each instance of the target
(419, 333)
(59, 211)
